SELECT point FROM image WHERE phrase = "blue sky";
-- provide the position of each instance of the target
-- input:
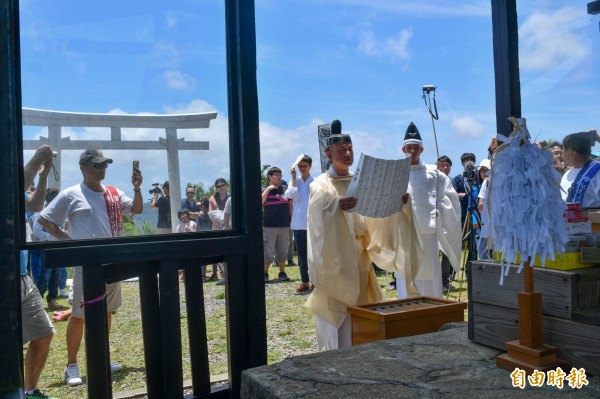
(361, 61)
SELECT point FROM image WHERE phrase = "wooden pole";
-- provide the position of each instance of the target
(530, 312)
(529, 352)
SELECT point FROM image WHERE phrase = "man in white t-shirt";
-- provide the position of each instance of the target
(298, 191)
(94, 211)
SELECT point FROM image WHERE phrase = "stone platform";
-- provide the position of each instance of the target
(439, 365)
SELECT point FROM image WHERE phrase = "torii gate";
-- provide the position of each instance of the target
(55, 120)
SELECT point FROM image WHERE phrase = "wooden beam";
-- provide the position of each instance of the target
(160, 144)
(40, 117)
(506, 63)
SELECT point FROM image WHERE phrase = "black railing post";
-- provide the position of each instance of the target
(194, 301)
(96, 333)
(151, 329)
(171, 328)
(11, 358)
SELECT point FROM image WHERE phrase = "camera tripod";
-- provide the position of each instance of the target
(469, 247)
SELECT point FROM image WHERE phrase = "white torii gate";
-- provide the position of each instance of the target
(55, 120)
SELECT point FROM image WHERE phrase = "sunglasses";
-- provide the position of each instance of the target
(221, 185)
(190, 192)
(102, 165)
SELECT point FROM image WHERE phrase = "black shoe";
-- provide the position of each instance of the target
(283, 277)
(266, 277)
(291, 263)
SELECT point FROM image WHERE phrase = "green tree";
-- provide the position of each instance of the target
(131, 229)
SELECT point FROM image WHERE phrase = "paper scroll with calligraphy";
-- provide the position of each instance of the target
(378, 185)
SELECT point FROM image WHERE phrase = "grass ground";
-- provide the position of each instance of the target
(290, 332)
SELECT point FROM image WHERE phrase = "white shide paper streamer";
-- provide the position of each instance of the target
(526, 208)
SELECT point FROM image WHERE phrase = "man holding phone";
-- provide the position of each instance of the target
(94, 211)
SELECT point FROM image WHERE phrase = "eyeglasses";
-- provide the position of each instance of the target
(190, 192)
(102, 165)
(221, 185)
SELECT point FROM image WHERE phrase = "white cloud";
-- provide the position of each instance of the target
(546, 40)
(171, 21)
(280, 147)
(195, 106)
(395, 47)
(178, 80)
(164, 54)
(466, 126)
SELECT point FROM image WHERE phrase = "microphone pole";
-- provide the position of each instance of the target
(427, 89)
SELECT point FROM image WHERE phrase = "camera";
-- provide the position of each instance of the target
(54, 154)
(428, 88)
(155, 189)
(470, 173)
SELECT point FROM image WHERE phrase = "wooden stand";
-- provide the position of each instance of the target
(529, 352)
(402, 318)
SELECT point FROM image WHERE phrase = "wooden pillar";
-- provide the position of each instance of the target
(529, 352)
(506, 63)
(174, 183)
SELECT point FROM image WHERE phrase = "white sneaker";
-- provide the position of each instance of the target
(72, 375)
(114, 367)
(63, 293)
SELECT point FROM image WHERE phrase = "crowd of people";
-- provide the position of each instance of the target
(337, 249)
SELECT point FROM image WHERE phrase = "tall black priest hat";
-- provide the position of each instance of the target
(336, 134)
(412, 135)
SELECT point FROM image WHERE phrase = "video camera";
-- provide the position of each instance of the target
(155, 189)
(470, 173)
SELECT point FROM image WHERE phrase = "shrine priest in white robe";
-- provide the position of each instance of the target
(436, 209)
(342, 246)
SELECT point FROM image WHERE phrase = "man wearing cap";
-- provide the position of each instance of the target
(162, 202)
(341, 247)
(436, 210)
(94, 211)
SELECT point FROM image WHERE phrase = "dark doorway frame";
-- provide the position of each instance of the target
(241, 248)
(154, 261)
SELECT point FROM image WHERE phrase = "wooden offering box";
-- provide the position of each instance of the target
(402, 318)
